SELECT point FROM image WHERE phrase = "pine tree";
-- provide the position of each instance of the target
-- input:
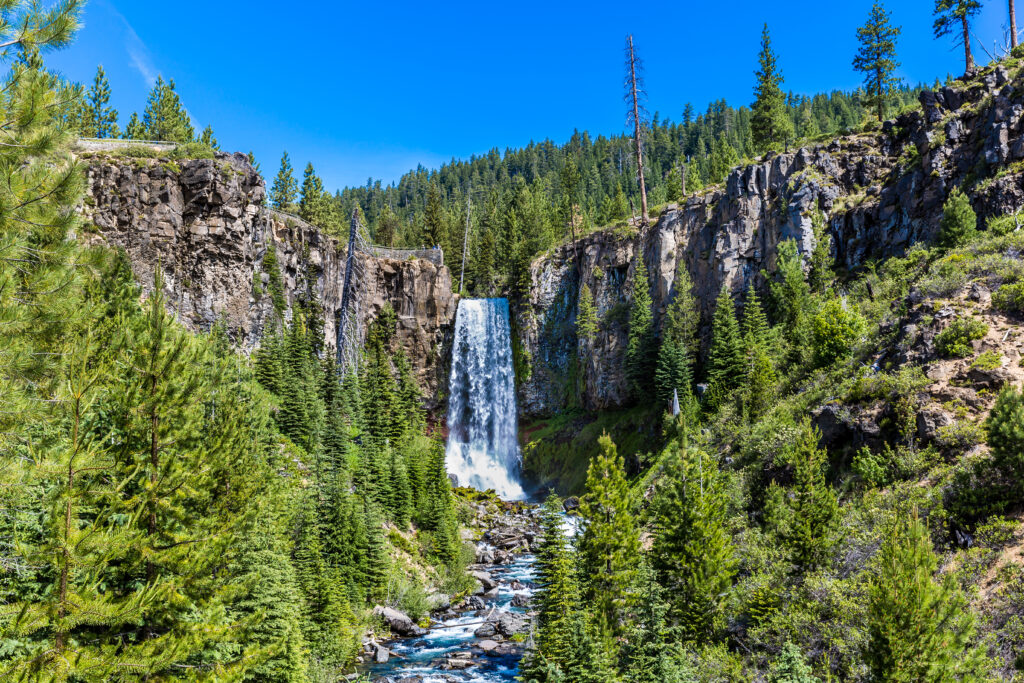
(1005, 430)
(164, 117)
(770, 123)
(682, 319)
(135, 130)
(586, 318)
(724, 158)
(206, 138)
(726, 367)
(959, 223)
(636, 117)
(791, 298)
(876, 57)
(557, 597)
(641, 348)
(650, 654)
(919, 629)
(571, 189)
(761, 378)
(674, 185)
(66, 628)
(673, 373)
(100, 118)
(435, 223)
(284, 189)
(189, 452)
(814, 508)
(954, 17)
(610, 542)
(312, 204)
(692, 552)
(410, 399)
(820, 273)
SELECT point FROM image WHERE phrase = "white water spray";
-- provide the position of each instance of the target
(483, 446)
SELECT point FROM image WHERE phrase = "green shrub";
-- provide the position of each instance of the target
(959, 223)
(961, 434)
(996, 532)
(989, 360)
(1010, 298)
(835, 331)
(870, 467)
(955, 340)
(1003, 225)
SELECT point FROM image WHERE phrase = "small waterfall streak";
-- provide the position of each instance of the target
(483, 445)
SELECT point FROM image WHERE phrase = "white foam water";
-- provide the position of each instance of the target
(483, 445)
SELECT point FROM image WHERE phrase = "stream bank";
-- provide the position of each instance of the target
(478, 638)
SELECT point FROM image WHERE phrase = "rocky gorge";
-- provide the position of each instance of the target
(880, 191)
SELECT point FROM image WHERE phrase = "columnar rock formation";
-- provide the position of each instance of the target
(880, 192)
(201, 222)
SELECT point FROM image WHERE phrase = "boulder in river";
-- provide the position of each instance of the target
(485, 580)
(511, 623)
(399, 623)
(488, 646)
(381, 654)
(485, 631)
(571, 503)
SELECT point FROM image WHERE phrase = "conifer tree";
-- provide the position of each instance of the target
(571, 188)
(953, 17)
(312, 204)
(1005, 429)
(919, 629)
(682, 319)
(814, 508)
(770, 123)
(586, 317)
(557, 596)
(692, 553)
(726, 367)
(674, 185)
(641, 348)
(651, 654)
(636, 116)
(435, 223)
(673, 372)
(723, 158)
(135, 130)
(100, 118)
(189, 453)
(206, 138)
(876, 57)
(409, 397)
(761, 378)
(791, 298)
(959, 223)
(164, 117)
(819, 273)
(284, 189)
(66, 631)
(610, 542)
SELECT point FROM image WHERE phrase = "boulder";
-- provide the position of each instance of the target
(521, 600)
(511, 623)
(571, 503)
(488, 646)
(485, 580)
(929, 420)
(399, 623)
(381, 654)
(485, 631)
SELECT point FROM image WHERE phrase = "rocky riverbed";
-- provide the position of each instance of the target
(476, 638)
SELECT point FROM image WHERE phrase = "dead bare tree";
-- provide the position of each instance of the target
(1013, 26)
(636, 115)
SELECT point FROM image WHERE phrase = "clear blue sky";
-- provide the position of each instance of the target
(373, 89)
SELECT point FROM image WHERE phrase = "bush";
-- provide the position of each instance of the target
(1009, 298)
(836, 329)
(955, 340)
(959, 223)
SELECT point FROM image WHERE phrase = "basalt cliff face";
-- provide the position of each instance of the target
(880, 192)
(202, 223)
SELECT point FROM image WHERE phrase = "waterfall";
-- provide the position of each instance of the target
(483, 446)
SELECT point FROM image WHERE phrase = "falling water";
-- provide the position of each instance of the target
(483, 447)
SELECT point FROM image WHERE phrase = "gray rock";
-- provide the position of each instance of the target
(399, 623)
(485, 580)
(485, 631)
(511, 623)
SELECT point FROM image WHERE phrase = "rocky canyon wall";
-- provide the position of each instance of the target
(880, 192)
(201, 222)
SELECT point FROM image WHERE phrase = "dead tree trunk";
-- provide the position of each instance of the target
(637, 127)
(968, 57)
(1013, 26)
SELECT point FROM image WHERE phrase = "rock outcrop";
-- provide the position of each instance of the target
(202, 223)
(880, 193)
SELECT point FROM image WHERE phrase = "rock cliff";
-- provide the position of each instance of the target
(880, 191)
(202, 223)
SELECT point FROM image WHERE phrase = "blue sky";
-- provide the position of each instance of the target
(372, 89)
